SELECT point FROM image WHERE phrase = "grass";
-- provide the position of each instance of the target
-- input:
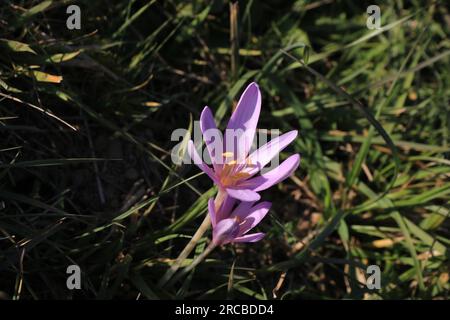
(86, 118)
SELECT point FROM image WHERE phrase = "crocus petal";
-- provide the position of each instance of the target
(225, 209)
(242, 210)
(212, 212)
(198, 161)
(212, 137)
(225, 231)
(251, 216)
(266, 180)
(252, 237)
(259, 158)
(245, 118)
(243, 194)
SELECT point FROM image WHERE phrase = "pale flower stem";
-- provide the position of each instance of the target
(194, 263)
(193, 242)
(186, 251)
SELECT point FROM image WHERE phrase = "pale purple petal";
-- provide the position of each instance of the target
(212, 137)
(198, 161)
(243, 194)
(212, 212)
(225, 209)
(266, 180)
(251, 216)
(259, 158)
(242, 209)
(245, 118)
(225, 231)
(252, 237)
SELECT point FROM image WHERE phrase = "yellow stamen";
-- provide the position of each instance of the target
(241, 175)
(249, 162)
(228, 154)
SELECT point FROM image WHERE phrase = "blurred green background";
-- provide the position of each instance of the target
(86, 118)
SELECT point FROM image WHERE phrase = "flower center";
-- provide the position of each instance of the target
(233, 172)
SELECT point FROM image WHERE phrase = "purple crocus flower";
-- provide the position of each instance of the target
(232, 225)
(233, 168)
